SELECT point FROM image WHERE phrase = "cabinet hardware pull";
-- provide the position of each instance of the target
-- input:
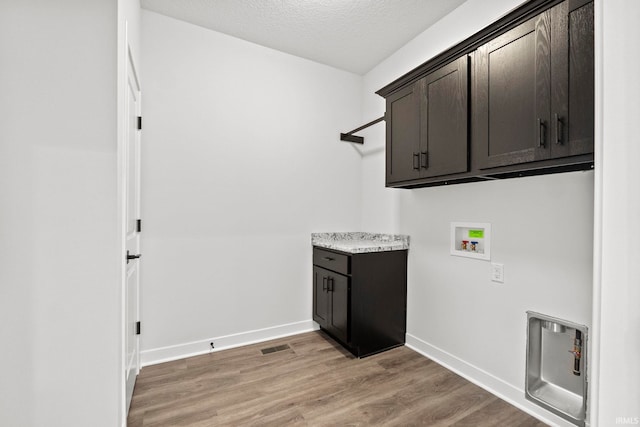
(324, 284)
(328, 258)
(330, 284)
(423, 159)
(416, 161)
(558, 129)
(541, 129)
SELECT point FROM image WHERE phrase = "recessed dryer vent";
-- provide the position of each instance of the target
(556, 370)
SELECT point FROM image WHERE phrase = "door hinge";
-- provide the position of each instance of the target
(138, 328)
(139, 122)
(139, 225)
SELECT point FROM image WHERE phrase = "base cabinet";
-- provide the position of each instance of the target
(361, 299)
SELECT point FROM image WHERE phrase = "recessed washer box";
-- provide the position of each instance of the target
(471, 239)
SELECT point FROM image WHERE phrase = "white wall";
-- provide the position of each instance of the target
(241, 162)
(616, 377)
(542, 232)
(59, 295)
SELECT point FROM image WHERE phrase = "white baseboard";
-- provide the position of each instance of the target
(485, 380)
(196, 348)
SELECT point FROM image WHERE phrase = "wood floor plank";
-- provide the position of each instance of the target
(496, 413)
(313, 382)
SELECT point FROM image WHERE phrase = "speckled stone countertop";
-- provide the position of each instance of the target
(358, 242)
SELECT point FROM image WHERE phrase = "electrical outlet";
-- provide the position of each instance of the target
(497, 272)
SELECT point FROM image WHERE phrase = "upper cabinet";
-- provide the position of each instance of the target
(515, 99)
(572, 79)
(512, 95)
(444, 140)
(403, 134)
(534, 89)
(427, 125)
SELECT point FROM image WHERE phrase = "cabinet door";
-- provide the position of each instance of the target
(320, 296)
(403, 134)
(572, 78)
(338, 324)
(444, 138)
(513, 95)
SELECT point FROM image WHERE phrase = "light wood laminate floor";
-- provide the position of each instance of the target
(314, 382)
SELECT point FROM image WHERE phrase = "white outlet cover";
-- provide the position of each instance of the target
(497, 272)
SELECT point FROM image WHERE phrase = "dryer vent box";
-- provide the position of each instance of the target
(556, 366)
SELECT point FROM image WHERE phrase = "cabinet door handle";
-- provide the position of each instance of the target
(330, 284)
(558, 129)
(416, 161)
(423, 159)
(541, 128)
(324, 284)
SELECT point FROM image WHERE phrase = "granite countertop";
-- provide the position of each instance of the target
(359, 242)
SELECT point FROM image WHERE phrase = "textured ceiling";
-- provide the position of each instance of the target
(354, 35)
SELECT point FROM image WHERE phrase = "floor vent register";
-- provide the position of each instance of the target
(275, 349)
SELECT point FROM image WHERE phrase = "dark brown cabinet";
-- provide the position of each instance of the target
(512, 96)
(444, 137)
(427, 126)
(534, 89)
(515, 99)
(403, 134)
(572, 80)
(331, 302)
(360, 299)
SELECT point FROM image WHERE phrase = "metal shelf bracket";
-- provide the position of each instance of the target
(350, 137)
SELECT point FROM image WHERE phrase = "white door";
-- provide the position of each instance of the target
(132, 230)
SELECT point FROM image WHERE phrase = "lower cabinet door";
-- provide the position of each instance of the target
(339, 312)
(320, 296)
(331, 302)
